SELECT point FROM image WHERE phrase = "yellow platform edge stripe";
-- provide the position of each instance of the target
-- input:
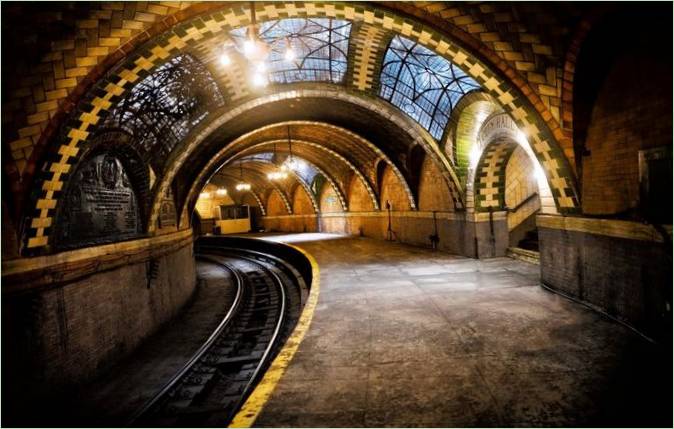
(253, 406)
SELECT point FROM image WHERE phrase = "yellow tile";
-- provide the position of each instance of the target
(37, 242)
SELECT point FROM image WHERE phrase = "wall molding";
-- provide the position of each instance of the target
(20, 275)
(440, 215)
(629, 230)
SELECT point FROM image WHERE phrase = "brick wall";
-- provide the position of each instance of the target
(59, 337)
(633, 111)
(301, 202)
(392, 190)
(359, 198)
(329, 202)
(433, 191)
(629, 279)
(520, 184)
(275, 205)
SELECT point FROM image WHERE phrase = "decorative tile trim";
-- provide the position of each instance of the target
(490, 175)
(607, 227)
(187, 34)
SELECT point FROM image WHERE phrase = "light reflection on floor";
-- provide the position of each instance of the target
(298, 237)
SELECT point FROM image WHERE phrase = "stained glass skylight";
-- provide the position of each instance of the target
(423, 84)
(320, 48)
(165, 106)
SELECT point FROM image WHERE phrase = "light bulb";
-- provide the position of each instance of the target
(225, 60)
(290, 54)
(249, 48)
(259, 79)
(260, 67)
(221, 191)
(205, 195)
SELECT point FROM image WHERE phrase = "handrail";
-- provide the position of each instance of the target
(522, 203)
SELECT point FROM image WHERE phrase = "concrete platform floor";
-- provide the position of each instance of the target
(404, 336)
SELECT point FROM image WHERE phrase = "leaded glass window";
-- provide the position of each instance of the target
(165, 106)
(423, 84)
(320, 46)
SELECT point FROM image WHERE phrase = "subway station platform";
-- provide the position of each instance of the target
(404, 336)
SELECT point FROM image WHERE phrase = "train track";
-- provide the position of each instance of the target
(214, 383)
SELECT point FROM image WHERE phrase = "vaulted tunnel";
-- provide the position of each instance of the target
(436, 169)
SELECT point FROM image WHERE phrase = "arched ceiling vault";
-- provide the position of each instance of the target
(345, 146)
(289, 185)
(336, 169)
(229, 183)
(256, 175)
(511, 94)
(348, 117)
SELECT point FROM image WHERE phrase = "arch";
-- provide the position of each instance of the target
(328, 177)
(490, 174)
(156, 51)
(464, 124)
(413, 130)
(258, 181)
(521, 187)
(231, 184)
(359, 197)
(272, 207)
(392, 191)
(433, 190)
(327, 202)
(306, 186)
(219, 157)
(300, 193)
(485, 186)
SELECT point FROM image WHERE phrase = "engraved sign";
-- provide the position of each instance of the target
(167, 214)
(101, 204)
(499, 125)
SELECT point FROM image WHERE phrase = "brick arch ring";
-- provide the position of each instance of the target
(338, 190)
(220, 159)
(498, 138)
(158, 50)
(303, 184)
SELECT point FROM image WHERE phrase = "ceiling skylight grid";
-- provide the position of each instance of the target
(423, 84)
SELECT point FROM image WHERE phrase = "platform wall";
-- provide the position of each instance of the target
(472, 235)
(57, 333)
(622, 268)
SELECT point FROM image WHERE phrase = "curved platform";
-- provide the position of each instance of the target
(404, 336)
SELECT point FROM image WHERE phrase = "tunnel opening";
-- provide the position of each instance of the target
(447, 164)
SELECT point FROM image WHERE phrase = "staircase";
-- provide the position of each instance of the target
(530, 241)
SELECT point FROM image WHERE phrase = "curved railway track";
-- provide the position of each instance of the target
(214, 383)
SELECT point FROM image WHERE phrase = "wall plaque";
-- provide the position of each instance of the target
(101, 204)
(167, 214)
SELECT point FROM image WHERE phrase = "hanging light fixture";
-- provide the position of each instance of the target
(290, 162)
(256, 51)
(224, 59)
(290, 53)
(221, 192)
(276, 175)
(242, 186)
